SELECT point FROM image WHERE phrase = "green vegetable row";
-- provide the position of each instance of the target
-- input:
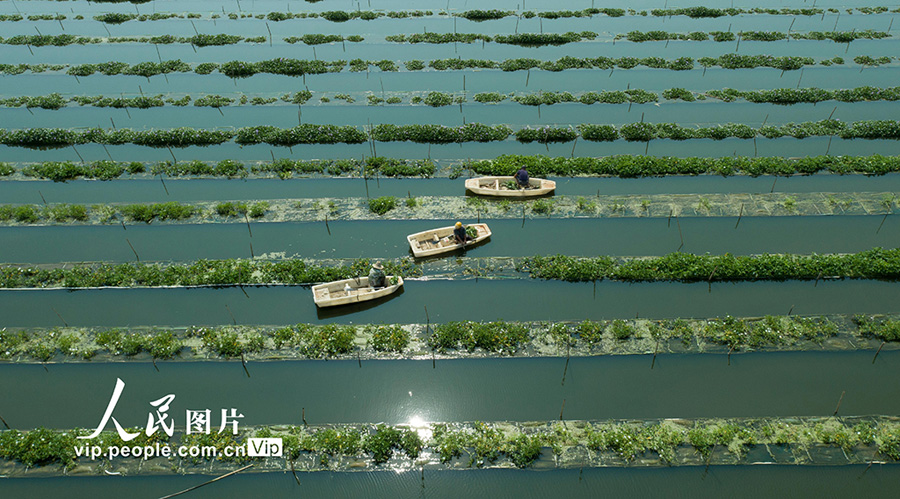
(301, 67)
(785, 96)
(440, 134)
(200, 273)
(876, 263)
(198, 40)
(758, 36)
(472, 15)
(643, 166)
(667, 442)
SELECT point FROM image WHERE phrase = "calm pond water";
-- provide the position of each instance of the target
(387, 239)
(780, 384)
(614, 387)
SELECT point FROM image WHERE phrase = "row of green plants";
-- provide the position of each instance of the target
(483, 444)
(877, 263)
(522, 39)
(301, 67)
(784, 96)
(630, 166)
(472, 15)
(692, 12)
(61, 171)
(199, 273)
(441, 134)
(627, 166)
(499, 337)
(198, 40)
(311, 341)
(758, 36)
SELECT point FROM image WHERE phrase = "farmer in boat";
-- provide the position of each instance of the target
(460, 235)
(376, 275)
(522, 178)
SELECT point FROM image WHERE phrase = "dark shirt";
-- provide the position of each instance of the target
(460, 233)
(376, 278)
(522, 177)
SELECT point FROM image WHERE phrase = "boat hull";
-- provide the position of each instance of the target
(423, 244)
(332, 294)
(496, 186)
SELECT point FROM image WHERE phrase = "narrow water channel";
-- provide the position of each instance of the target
(482, 300)
(387, 239)
(616, 387)
(144, 191)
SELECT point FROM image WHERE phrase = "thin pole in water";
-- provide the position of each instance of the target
(562, 409)
(132, 249)
(836, 409)
(873, 358)
(45, 201)
(679, 233)
(233, 320)
(741, 214)
(226, 475)
(244, 363)
(60, 317)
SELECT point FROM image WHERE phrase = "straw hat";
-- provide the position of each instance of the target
(459, 224)
(377, 265)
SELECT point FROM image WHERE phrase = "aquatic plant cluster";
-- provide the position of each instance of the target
(199, 273)
(61, 171)
(440, 134)
(876, 263)
(653, 442)
(467, 338)
(630, 166)
(783, 96)
(302, 67)
(758, 36)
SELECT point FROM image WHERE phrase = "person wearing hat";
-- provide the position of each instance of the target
(376, 275)
(459, 234)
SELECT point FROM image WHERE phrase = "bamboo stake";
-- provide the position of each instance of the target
(60, 317)
(878, 352)
(741, 214)
(226, 475)
(836, 409)
(233, 320)
(132, 249)
(562, 409)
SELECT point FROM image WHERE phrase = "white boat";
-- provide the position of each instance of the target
(497, 186)
(348, 291)
(437, 241)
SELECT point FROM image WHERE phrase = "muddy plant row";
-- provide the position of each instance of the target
(697, 12)
(877, 263)
(623, 166)
(303, 67)
(441, 134)
(782, 96)
(459, 207)
(544, 444)
(520, 39)
(451, 340)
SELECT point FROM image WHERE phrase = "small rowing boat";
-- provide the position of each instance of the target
(348, 291)
(505, 187)
(438, 241)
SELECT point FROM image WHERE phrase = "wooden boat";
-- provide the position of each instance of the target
(496, 186)
(437, 241)
(335, 293)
